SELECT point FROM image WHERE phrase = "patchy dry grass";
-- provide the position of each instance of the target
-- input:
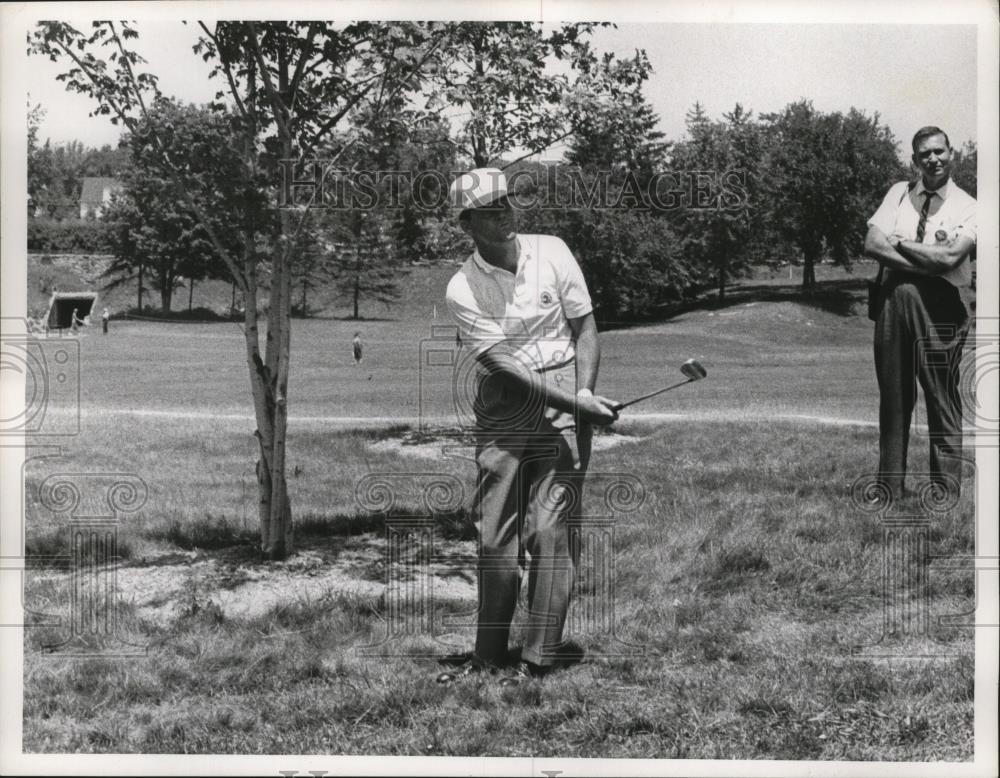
(748, 581)
(744, 618)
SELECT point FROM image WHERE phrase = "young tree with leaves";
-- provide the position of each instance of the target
(499, 79)
(288, 86)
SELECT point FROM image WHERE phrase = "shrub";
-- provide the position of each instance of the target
(68, 237)
(632, 260)
(194, 315)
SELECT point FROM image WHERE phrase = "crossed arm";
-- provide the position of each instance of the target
(919, 258)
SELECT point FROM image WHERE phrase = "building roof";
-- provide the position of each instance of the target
(94, 186)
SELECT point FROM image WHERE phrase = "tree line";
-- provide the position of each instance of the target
(202, 183)
(801, 186)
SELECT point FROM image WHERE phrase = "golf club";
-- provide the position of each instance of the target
(692, 370)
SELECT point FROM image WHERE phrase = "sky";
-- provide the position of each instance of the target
(911, 75)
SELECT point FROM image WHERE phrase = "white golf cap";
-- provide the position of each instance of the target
(477, 188)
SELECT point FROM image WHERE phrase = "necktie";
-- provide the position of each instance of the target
(922, 224)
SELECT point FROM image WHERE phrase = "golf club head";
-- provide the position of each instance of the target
(693, 370)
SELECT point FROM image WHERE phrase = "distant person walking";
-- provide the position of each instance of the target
(75, 322)
(923, 235)
(105, 318)
(356, 346)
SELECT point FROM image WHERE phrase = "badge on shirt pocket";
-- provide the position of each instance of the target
(939, 233)
(546, 298)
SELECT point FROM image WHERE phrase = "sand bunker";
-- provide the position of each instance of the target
(444, 447)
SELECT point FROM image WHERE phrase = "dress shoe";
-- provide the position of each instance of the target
(470, 664)
(522, 672)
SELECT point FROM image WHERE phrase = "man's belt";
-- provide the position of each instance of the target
(549, 368)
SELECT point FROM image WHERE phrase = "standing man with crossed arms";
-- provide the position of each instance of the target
(523, 309)
(923, 235)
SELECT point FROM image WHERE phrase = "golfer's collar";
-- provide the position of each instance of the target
(486, 267)
(941, 191)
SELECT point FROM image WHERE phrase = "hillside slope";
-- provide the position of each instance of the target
(420, 286)
(422, 289)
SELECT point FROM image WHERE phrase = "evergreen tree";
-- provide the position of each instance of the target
(719, 166)
(370, 268)
(620, 136)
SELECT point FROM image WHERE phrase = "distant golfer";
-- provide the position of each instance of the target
(105, 318)
(356, 346)
(75, 322)
(525, 314)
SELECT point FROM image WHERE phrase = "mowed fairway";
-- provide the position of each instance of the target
(743, 617)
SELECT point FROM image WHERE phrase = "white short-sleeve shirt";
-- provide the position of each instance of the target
(530, 308)
(952, 213)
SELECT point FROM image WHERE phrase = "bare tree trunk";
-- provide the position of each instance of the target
(809, 272)
(357, 290)
(140, 288)
(190, 292)
(281, 511)
(262, 389)
(276, 531)
(479, 151)
(275, 506)
(478, 140)
(722, 282)
(263, 402)
(266, 467)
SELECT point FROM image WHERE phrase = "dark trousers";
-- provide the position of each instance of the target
(919, 336)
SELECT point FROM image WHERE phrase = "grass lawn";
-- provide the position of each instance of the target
(747, 590)
(746, 578)
(767, 352)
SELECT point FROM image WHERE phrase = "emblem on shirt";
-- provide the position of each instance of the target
(546, 298)
(941, 236)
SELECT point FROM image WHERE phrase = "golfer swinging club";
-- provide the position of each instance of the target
(524, 313)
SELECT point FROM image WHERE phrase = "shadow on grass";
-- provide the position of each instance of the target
(199, 315)
(237, 544)
(360, 319)
(50, 549)
(448, 525)
(840, 297)
(210, 534)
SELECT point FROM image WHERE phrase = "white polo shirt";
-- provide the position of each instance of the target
(952, 212)
(529, 308)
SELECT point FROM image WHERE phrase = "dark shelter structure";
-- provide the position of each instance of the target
(61, 308)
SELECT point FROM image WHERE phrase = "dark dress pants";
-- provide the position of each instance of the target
(919, 336)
